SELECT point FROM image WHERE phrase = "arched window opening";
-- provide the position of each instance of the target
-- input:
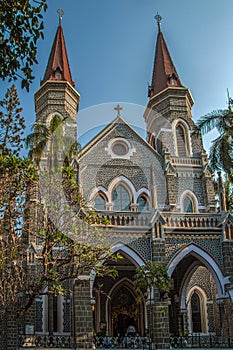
(121, 198)
(142, 203)
(180, 141)
(100, 202)
(196, 313)
(188, 206)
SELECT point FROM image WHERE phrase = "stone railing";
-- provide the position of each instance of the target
(191, 220)
(124, 218)
(186, 161)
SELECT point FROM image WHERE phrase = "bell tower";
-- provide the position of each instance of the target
(57, 93)
(172, 133)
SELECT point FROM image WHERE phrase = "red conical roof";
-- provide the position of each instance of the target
(58, 65)
(164, 73)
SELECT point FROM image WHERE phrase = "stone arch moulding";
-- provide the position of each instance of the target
(128, 284)
(125, 249)
(186, 279)
(207, 261)
(53, 114)
(143, 191)
(186, 130)
(129, 252)
(98, 189)
(203, 301)
(192, 196)
(122, 180)
(117, 181)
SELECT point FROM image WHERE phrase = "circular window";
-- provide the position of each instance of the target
(120, 148)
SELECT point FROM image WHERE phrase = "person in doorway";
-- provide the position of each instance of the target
(131, 331)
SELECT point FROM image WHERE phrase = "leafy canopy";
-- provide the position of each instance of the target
(21, 26)
(151, 275)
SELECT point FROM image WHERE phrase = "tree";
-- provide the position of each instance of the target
(221, 151)
(60, 146)
(148, 278)
(220, 154)
(151, 275)
(12, 124)
(21, 26)
(47, 235)
(15, 177)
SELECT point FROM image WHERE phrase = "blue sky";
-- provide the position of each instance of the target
(111, 46)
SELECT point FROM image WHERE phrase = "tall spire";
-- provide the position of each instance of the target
(164, 72)
(58, 65)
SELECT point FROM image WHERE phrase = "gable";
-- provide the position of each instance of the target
(119, 151)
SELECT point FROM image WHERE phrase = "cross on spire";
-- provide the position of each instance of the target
(118, 108)
(60, 13)
(158, 20)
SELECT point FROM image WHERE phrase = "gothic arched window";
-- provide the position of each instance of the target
(121, 198)
(181, 141)
(196, 313)
(188, 206)
(142, 203)
(100, 202)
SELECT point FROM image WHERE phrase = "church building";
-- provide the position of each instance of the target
(158, 196)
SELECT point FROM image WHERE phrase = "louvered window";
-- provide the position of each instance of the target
(181, 143)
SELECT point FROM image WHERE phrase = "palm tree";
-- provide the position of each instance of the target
(220, 154)
(37, 141)
(52, 137)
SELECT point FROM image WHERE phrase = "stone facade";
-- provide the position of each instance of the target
(158, 197)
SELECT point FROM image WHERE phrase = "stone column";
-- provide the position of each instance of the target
(161, 322)
(83, 320)
(9, 329)
(161, 302)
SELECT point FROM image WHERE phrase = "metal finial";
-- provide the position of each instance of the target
(60, 13)
(118, 108)
(158, 19)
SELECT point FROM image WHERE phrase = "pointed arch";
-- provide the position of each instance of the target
(126, 183)
(52, 115)
(207, 261)
(143, 192)
(143, 203)
(98, 189)
(197, 310)
(188, 202)
(136, 259)
(100, 201)
(182, 138)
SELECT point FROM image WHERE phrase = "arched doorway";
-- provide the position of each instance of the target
(124, 310)
(116, 305)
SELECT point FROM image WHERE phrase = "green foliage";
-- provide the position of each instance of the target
(12, 124)
(61, 147)
(220, 154)
(37, 141)
(151, 275)
(44, 214)
(21, 26)
(16, 175)
(221, 151)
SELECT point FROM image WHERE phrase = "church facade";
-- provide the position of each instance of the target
(159, 199)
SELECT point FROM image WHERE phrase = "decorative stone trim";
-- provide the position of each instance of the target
(120, 148)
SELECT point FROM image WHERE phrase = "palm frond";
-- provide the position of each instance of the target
(220, 154)
(209, 121)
